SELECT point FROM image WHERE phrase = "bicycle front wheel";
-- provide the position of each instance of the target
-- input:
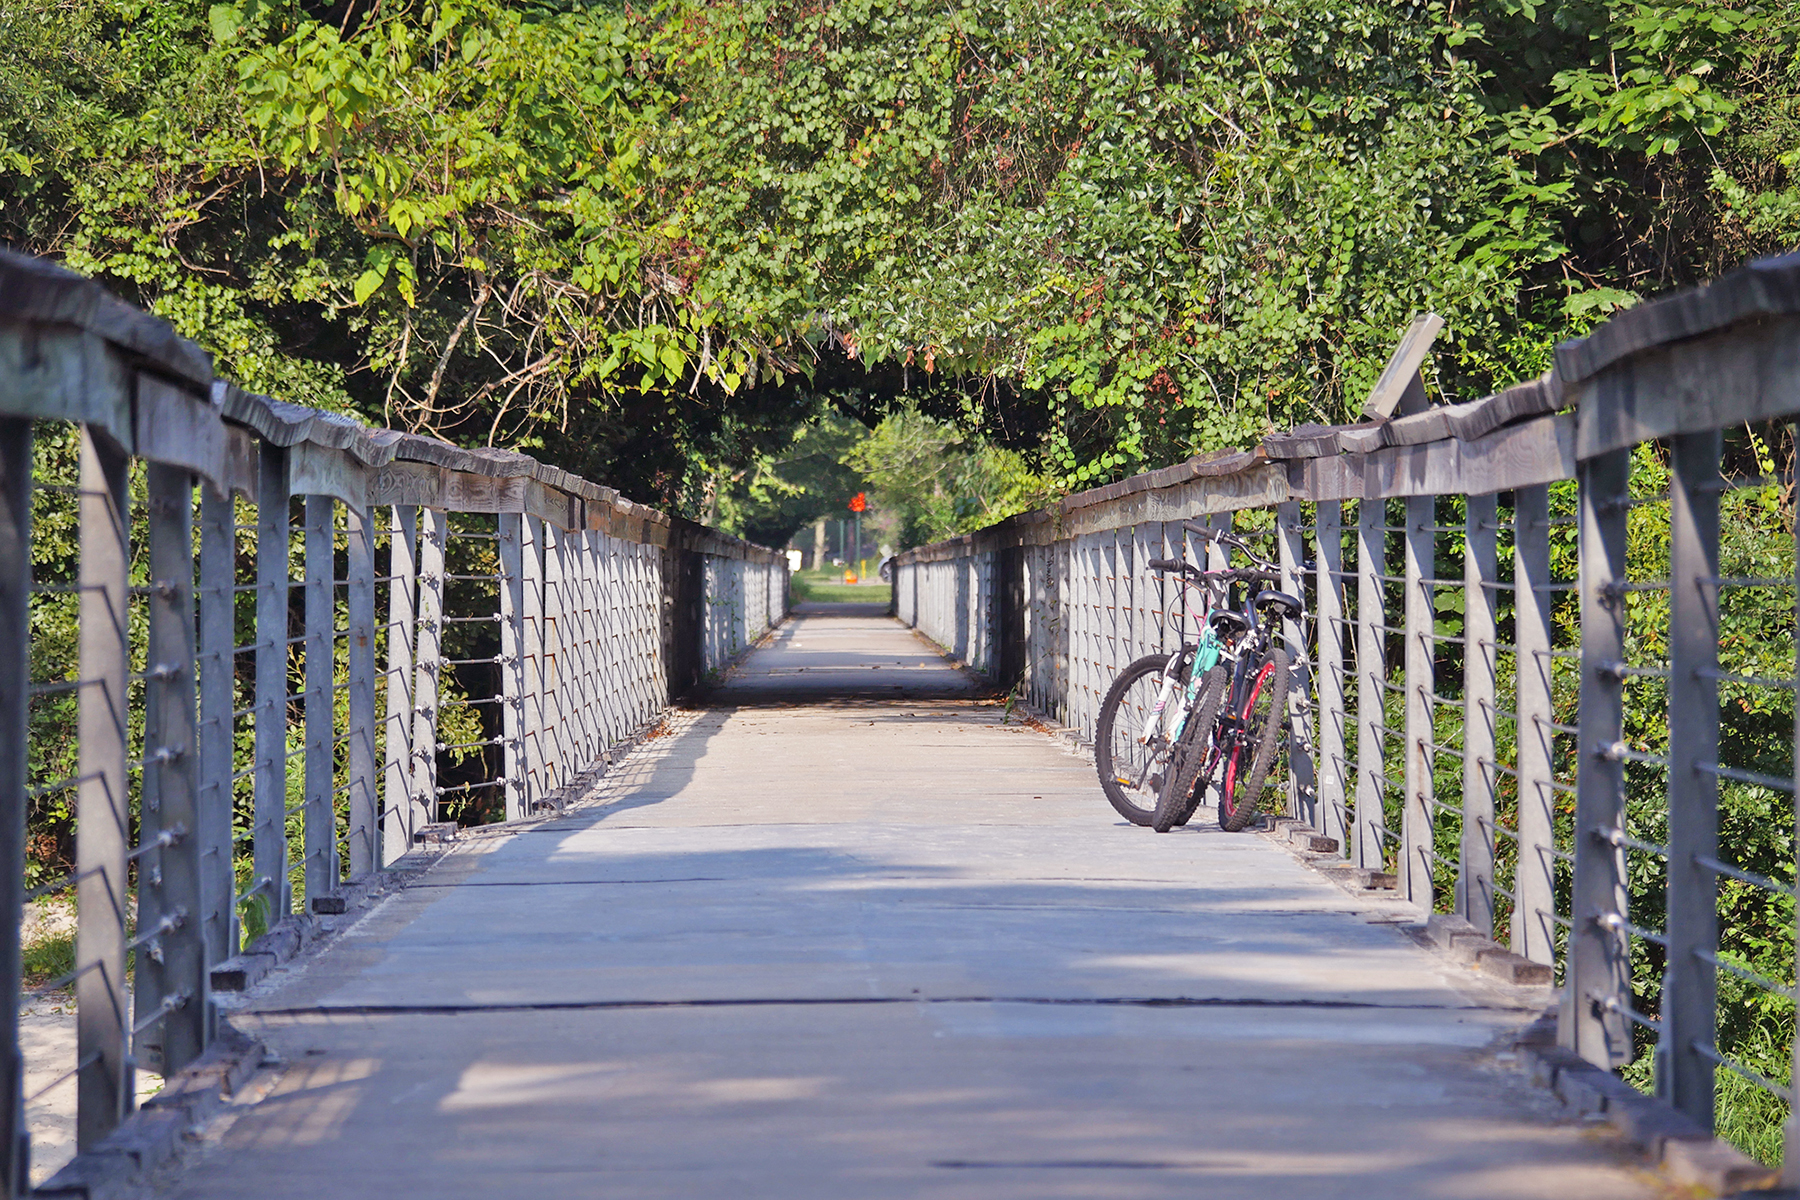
(1261, 718)
(1131, 742)
(1181, 794)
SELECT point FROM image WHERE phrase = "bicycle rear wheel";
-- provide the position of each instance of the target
(1261, 719)
(1133, 767)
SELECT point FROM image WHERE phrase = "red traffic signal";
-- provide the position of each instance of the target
(858, 502)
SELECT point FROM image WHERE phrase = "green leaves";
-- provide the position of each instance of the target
(1659, 85)
(387, 260)
(225, 20)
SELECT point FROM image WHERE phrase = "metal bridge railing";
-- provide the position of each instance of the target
(251, 651)
(1521, 640)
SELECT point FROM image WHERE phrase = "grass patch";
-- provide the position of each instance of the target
(48, 940)
(48, 958)
(829, 587)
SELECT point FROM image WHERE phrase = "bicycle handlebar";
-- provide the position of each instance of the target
(1208, 534)
(1236, 575)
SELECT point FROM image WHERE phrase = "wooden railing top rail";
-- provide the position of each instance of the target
(75, 352)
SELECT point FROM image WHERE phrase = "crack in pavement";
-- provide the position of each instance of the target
(452, 1009)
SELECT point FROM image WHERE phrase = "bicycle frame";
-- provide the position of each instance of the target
(1202, 656)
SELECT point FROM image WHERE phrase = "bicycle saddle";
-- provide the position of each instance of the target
(1228, 623)
(1283, 603)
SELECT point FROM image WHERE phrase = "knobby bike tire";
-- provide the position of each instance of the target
(1181, 793)
(1241, 791)
(1139, 810)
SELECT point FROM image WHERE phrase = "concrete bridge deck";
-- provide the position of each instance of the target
(847, 932)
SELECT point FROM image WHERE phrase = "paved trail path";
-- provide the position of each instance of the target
(846, 934)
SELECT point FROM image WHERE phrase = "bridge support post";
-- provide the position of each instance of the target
(15, 680)
(1790, 1158)
(397, 771)
(571, 659)
(615, 682)
(171, 994)
(532, 674)
(359, 577)
(218, 637)
(433, 532)
(596, 704)
(514, 776)
(270, 830)
(1371, 680)
(1690, 988)
(589, 714)
(321, 726)
(1328, 590)
(1597, 970)
(1475, 858)
(1303, 783)
(1534, 879)
(1417, 824)
(554, 733)
(102, 1032)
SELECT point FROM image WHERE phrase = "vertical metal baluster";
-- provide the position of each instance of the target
(1118, 598)
(1790, 1158)
(1475, 858)
(515, 777)
(403, 592)
(606, 689)
(321, 874)
(104, 1077)
(1534, 881)
(270, 829)
(1417, 824)
(532, 676)
(615, 681)
(15, 723)
(433, 532)
(218, 636)
(1333, 720)
(359, 578)
(572, 663)
(658, 585)
(622, 612)
(1371, 667)
(1303, 785)
(1690, 986)
(1597, 969)
(173, 968)
(1078, 659)
(555, 664)
(587, 711)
